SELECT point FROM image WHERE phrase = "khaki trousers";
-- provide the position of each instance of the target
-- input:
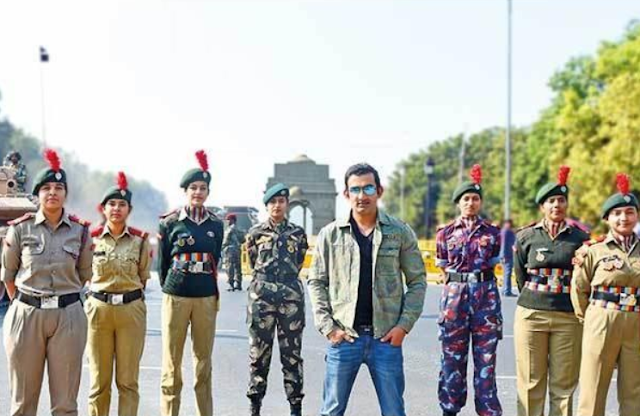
(177, 314)
(611, 337)
(34, 336)
(116, 335)
(548, 346)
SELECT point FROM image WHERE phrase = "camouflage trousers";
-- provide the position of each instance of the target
(234, 269)
(276, 307)
(469, 311)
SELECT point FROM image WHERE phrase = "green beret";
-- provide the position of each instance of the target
(195, 175)
(278, 189)
(466, 187)
(116, 193)
(120, 191)
(54, 173)
(48, 175)
(624, 198)
(617, 201)
(549, 190)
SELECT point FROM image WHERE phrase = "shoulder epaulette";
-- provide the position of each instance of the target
(97, 232)
(531, 224)
(213, 214)
(25, 217)
(79, 220)
(166, 214)
(596, 240)
(441, 226)
(138, 233)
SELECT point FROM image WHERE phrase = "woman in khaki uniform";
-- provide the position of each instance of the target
(46, 260)
(605, 294)
(115, 306)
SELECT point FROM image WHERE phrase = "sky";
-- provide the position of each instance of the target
(140, 86)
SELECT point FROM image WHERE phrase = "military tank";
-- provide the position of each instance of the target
(13, 204)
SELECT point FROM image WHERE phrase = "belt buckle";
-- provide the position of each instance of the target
(117, 299)
(628, 300)
(473, 278)
(49, 302)
(197, 267)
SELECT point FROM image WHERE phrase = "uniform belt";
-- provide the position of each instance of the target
(274, 278)
(48, 302)
(622, 299)
(472, 277)
(193, 266)
(117, 298)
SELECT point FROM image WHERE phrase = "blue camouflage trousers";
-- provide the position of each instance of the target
(469, 311)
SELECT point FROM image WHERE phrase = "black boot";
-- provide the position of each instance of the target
(445, 413)
(296, 409)
(255, 407)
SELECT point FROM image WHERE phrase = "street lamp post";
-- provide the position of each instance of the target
(429, 167)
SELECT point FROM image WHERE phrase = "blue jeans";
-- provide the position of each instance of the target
(507, 267)
(385, 366)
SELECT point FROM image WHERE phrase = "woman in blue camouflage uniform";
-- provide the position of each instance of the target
(468, 249)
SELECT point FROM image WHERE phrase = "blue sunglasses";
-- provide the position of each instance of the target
(369, 190)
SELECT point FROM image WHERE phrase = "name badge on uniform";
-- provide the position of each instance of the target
(540, 256)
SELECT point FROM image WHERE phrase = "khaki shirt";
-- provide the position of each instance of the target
(44, 261)
(334, 277)
(120, 263)
(603, 264)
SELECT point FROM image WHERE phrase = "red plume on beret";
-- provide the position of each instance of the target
(52, 158)
(476, 174)
(122, 181)
(202, 160)
(622, 181)
(563, 175)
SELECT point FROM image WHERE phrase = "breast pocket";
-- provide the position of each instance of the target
(72, 249)
(388, 277)
(340, 272)
(32, 248)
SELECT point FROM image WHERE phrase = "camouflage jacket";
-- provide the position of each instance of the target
(277, 249)
(334, 277)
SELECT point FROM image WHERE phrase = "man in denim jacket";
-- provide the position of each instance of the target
(359, 298)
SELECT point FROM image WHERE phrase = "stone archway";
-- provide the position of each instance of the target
(312, 190)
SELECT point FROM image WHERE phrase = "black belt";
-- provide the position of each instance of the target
(472, 277)
(612, 297)
(275, 278)
(117, 298)
(48, 302)
(543, 280)
(193, 266)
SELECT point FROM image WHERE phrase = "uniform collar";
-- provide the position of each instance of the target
(106, 231)
(184, 214)
(460, 223)
(270, 225)
(40, 218)
(611, 238)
